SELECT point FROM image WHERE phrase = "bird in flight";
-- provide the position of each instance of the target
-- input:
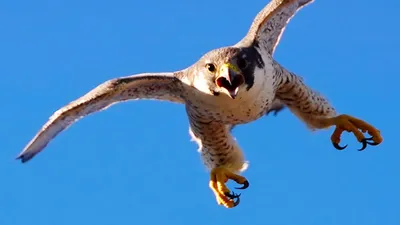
(227, 86)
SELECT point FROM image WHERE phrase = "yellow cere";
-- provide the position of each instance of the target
(231, 66)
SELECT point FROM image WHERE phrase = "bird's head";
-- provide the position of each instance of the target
(228, 71)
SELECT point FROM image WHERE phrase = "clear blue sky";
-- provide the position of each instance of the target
(135, 164)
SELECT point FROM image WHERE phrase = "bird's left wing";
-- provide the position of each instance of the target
(160, 86)
(269, 24)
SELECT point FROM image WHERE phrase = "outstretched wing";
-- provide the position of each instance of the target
(160, 86)
(270, 22)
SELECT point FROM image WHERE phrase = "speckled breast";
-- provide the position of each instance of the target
(230, 111)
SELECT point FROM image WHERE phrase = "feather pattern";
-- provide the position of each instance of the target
(270, 23)
(211, 115)
(303, 101)
(161, 86)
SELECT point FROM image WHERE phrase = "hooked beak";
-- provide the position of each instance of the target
(229, 78)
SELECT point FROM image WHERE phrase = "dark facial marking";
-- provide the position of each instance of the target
(242, 63)
(253, 59)
(246, 64)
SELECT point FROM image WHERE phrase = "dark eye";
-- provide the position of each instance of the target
(242, 63)
(210, 67)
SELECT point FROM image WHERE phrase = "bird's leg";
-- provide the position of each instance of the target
(354, 125)
(218, 177)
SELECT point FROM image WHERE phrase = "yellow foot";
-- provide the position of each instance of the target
(218, 177)
(357, 127)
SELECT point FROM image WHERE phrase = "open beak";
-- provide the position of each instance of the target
(230, 78)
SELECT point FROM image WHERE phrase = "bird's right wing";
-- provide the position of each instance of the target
(160, 86)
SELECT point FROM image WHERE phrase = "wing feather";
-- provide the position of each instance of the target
(270, 22)
(160, 86)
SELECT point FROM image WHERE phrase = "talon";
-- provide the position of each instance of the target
(367, 141)
(371, 141)
(245, 185)
(274, 111)
(355, 126)
(233, 195)
(364, 145)
(338, 147)
(236, 202)
(218, 177)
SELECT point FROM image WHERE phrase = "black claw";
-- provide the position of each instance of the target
(245, 185)
(367, 141)
(364, 145)
(275, 110)
(338, 147)
(236, 202)
(373, 143)
(233, 195)
(370, 141)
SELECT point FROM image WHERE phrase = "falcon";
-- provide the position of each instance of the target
(227, 86)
